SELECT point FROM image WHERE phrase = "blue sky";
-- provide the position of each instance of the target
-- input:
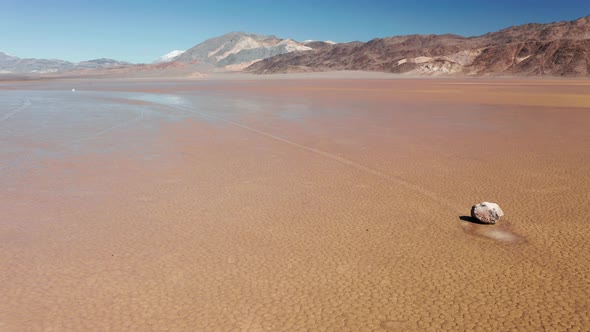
(140, 31)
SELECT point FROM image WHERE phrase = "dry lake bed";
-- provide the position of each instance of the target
(294, 204)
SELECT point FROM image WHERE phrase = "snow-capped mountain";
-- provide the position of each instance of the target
(169, 56)
(309, 41)
(238, 49)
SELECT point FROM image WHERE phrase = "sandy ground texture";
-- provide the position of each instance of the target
(301, 204)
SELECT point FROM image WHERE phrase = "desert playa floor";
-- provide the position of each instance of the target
(294, 204)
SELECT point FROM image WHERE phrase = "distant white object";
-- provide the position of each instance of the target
(73, 90)
(312, 40)
(169, 56)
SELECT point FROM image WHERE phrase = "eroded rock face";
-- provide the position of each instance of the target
(557, 49)
(486, 212)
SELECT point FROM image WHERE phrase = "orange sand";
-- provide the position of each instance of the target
(344, 218)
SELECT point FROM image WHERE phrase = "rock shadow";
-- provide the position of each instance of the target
(473, 220)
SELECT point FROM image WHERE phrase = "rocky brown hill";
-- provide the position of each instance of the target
(560, 48)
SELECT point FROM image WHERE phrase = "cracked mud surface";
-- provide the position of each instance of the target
(294, 205)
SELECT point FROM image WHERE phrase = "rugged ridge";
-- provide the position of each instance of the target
(560, 48)
(239, 49)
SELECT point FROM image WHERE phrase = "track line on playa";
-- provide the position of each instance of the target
(24, 106)
(118, 125)
(96, 135)
(392, 179)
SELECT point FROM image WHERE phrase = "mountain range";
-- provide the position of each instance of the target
(556, 49)
(230, 52)
(11, 64)
(237, 50)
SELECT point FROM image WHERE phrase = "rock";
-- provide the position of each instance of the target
(486, 212)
